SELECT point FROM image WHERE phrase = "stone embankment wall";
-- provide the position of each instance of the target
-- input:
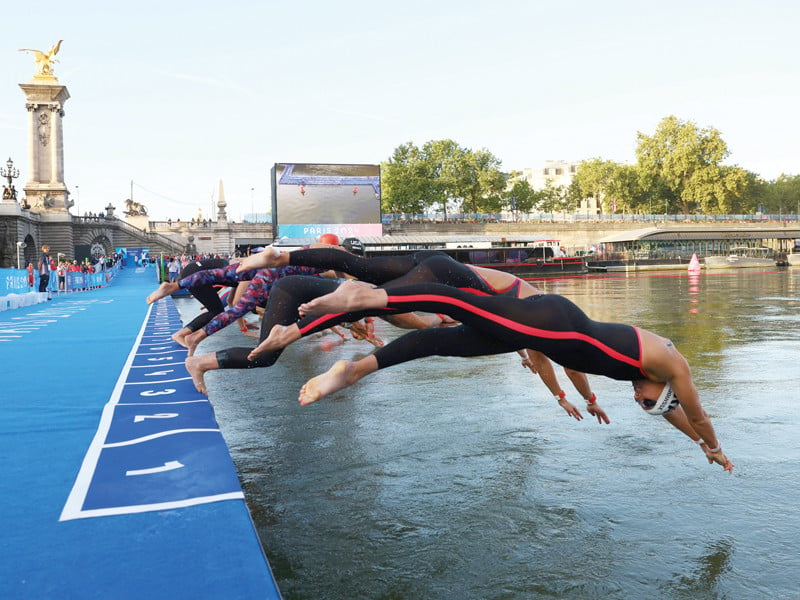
(576, 235)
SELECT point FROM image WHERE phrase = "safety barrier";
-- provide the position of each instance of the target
(16, 291)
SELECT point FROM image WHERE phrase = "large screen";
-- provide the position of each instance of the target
(312, 199)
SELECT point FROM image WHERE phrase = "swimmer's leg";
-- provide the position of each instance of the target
(351, 296)
(341, 375)
(179, 337)
(197, 367)
(279, 337)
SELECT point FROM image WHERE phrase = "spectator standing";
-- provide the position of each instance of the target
(44, 269)
(61, 273)
(174, 268)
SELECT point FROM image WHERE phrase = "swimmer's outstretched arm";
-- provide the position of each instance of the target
(540, 365)
(271, 257)
(165, 289)
(678, 419)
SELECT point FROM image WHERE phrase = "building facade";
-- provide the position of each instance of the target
(557, 173)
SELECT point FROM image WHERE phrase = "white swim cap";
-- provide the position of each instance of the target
(666, 402)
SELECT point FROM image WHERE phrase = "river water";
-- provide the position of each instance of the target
(462, 478)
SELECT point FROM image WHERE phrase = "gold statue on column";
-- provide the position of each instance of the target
(44, 60)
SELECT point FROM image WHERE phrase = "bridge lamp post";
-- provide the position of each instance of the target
(20, 246)
(252, 203)
(10, 173)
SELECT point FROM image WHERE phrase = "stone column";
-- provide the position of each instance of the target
(32, 129)
(46, 190)
(55, 138)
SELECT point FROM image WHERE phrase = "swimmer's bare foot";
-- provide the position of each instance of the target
(179, 337)
(269, 257)
(279, 337)
(350, 296)
(193, 339)
(333, 380)
(164, 290)
(375, 341)
(197, 366)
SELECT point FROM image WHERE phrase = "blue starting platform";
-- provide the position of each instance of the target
(116, 480)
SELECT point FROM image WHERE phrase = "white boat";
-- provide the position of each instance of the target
(741, 258)
(793, 259)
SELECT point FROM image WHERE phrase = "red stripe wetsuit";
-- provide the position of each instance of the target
(548, 323)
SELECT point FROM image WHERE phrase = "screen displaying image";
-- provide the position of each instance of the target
(311, 199)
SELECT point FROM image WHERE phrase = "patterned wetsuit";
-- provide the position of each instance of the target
(548, 323)
(256, 294)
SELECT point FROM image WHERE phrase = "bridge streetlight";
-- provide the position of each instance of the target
(10, 173)
(252, 204)
(20, 246)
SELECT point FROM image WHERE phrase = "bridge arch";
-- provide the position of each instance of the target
(101, 246)
(30, 254)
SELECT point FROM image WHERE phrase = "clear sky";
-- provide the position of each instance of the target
(175, 96)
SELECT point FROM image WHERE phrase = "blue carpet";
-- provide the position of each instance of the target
(116, 482)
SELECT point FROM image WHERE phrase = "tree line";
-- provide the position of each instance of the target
(678, 170)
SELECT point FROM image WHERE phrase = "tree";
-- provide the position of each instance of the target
(717, 189)
(404, 181)
(553, 198)
(520, 196)
(481, 183)
(444, 160)
(782, 195)
(684, 161)
(444, 174)
(593, 179)
(627, 190)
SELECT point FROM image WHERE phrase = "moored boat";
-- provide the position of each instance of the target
(793, 259)
(524, 258)
(742, 257)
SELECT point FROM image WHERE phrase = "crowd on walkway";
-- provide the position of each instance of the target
(39, 282)
(67, 275)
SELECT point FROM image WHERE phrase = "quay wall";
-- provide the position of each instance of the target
(221, 237)
(576, 235)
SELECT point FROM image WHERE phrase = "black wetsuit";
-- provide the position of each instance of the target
(548, 323)
(290, 292)
(205, 294)
(389, 272)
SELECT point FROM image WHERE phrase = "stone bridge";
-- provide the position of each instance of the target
(22, 236)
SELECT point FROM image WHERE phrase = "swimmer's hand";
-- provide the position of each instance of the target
(719, 458)
(597, 412)
(570, 408)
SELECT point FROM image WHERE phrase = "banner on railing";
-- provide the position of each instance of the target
(15, 281)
